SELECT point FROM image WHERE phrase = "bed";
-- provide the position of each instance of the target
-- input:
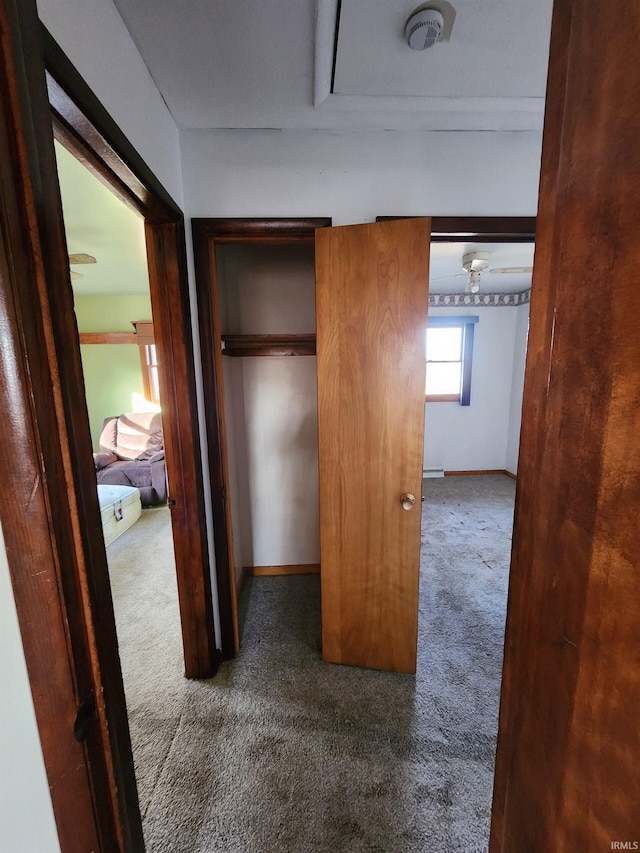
(120, 507)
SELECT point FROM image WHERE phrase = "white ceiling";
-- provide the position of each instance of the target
(99, 224)
(256, 64)
(490, 53)
(446, 260)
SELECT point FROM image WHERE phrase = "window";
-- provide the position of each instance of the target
(149, 359)
(449, 351)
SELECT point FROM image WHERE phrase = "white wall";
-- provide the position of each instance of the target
(271, 407)
(517, 385)
(468, 438)
(26, 816)
(356, 176)
(94, 37)
(280, 402)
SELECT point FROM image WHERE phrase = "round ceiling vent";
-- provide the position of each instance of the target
(424, 28)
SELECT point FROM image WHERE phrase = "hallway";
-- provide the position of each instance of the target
(282, 752)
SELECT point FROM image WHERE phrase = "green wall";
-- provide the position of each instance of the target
(112, 372)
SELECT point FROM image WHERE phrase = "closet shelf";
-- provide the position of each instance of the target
(260, 345)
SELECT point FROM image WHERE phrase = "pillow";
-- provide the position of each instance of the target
(154, 444)
(139, 436)
(101, 460)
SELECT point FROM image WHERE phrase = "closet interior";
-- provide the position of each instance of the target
(266, 303)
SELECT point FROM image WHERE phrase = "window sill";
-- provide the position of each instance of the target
(442, 398)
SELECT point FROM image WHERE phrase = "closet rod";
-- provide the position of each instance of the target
(268, 345)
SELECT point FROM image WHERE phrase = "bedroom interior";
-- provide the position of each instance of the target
(119, 359)
(113, 312)
(572, 613)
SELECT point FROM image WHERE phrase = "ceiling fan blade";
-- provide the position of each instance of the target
(82, 258)
(511, 270)
(445, 277)
(75, 275)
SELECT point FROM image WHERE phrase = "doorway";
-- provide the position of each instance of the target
(54, 521)
(80, 126)
(209, 235)
(110, 282)
(227, 318)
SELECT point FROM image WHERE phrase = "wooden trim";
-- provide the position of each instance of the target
(108, 338)
(442, 398)
(479, 473)
(142, 336)
(102, 147)
(243, 230)
(207, 234)
(212, 372)
(467, 363)
(87, 130)
(271, 571)
(477, 229)
(568, 725)
(510, 474)
(240, 580)
(269, 345)
(53, 519)
(144, 371)
(166, 256)
(144, 332)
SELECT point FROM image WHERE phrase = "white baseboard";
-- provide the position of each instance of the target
(432, 472)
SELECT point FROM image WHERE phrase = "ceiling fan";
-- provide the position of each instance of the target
(80, 258)
(474, 264)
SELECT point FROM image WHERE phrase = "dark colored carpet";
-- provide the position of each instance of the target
(282, 752)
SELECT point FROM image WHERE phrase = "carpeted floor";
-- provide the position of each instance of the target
(282, 752)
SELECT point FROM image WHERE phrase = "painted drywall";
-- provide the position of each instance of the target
(112, 372)
(474, 438)
(94, 37)
(26, 817)
(517, 386)
(356, 176)
(271, 407)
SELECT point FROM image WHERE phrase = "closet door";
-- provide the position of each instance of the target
(371, 310)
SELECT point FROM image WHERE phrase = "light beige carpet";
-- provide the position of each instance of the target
(282, 752)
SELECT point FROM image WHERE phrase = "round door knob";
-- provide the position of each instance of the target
(408, 501)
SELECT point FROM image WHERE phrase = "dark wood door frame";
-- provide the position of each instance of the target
(52, 524)
(84, 127)
(568, 746)
(207, 234)
(478, 229)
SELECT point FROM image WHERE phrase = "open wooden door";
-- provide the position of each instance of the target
(371, 314)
